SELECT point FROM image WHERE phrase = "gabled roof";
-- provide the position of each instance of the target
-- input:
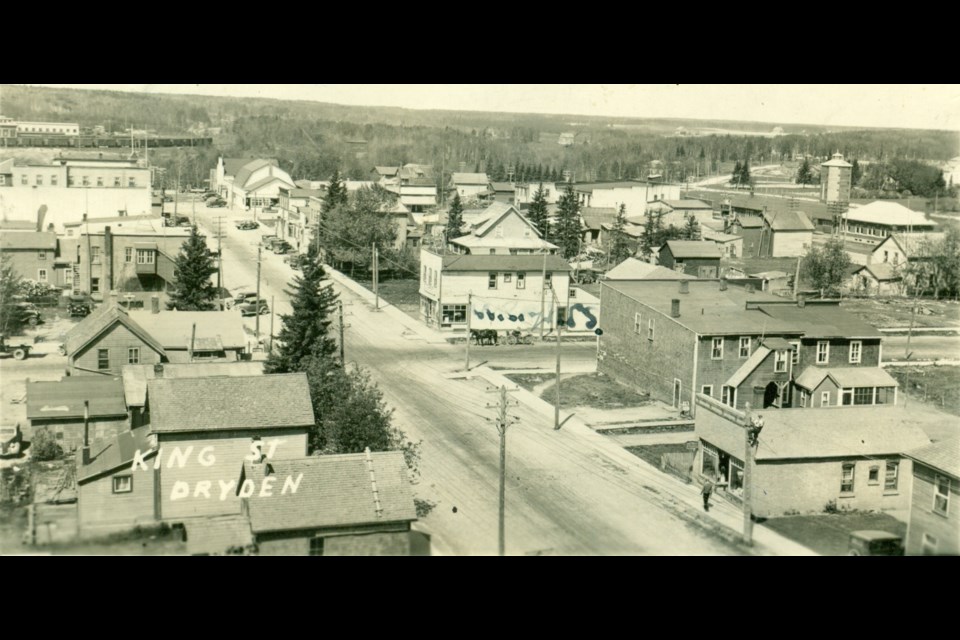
(943, 456)
(531, 263)
(232, 165)
(173, 329)
(226, 403)
(503, 186)
(915, 245)
(881, 271)
(846, 377)
(386, 171)
(717, 236)
(787, 220)
(65, 398)
(27, 240)
(748, 222)
(633, 269)
(135, 376)
(265, 181)
(630, 230)
(589, 187)
(692, 249)
(496, 212)
(99, 321)
(594, 217)
(470, 178)
(888, 213)
(837, 161)
(335, 491)
(244, 173)
(756, 358)
(114, 453)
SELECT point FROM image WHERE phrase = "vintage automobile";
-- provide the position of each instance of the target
(251, 308)
(875, 543)
(30, 312)
(79, 306)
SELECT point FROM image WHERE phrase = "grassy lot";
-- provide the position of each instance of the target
(895, 312)
(530, 381)
(592, 390)
(936, 386)
(829, 534)
(403, 294)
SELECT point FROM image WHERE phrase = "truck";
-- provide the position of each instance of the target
(18, 351)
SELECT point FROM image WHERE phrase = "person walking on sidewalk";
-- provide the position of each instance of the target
(705, 492)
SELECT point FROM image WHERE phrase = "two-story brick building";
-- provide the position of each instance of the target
(353, 504)
(738, 345)
(934, 527)
(802, 464)
(206, 427)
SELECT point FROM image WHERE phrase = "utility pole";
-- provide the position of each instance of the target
(466, 366)
(376, 278)
(343, 360)
(272, 314)
(257, 330)
(796, 279)
(543, 292)
(556, 407)
(220, 262)
(502, 427)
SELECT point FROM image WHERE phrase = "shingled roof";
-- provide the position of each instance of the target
(100, 321)
(113, 453)
(226, 403)
(943, 455)
(335, 491)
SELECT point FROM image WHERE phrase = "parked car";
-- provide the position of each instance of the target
(246, 225)
(875, 543)
(252, 309)
(10, 438)
(219, 202)
(244, 296)
(281, 247)
(79, 306)
(296, 260)
(30, 312)
(177, 221)
(18, 351)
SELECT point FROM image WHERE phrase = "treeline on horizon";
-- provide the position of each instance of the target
(312, 140)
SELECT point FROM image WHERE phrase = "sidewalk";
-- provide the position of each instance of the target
(398, 317)
(683, 499)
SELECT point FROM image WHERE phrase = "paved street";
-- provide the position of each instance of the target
(563, 496)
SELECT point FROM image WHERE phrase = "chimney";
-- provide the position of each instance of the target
(158, 370)
(675, 308)
(108, 257)
(801, 301)
(723, 284)
(84, 217)
(684, 286)
(114, 298)
(749, 288)
(86, 432)
(154, 304)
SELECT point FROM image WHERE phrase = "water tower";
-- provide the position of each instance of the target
(835, 178)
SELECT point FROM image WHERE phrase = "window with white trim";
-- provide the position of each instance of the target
(780, 361)
(824, 398)
(94, 255)
(548, 281)
(128, 254)
(856, 347)
(145, 256)
(823, 352)
(650, 329)
(891, 479)
(103, 359)
(728, 395)
(745, 347)
(133, 355)
(941, 495)
(707, 390)
(122, 484)
(847, 477)
(507, 277)
(795, 356)
(53, 180)
(41, 255)
(41, 275)
(521, 280)
(492, 281)
(803, 399)
(716, 349)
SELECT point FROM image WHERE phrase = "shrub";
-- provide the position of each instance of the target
(830, 507)
(44, 446)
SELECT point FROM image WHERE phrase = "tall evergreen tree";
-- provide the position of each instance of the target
(855, 173)
(745, 173)
(537, 213)
(11, 316)
(619, 247)
(804, 174)
(336, 195)
(568, 224)
(193, 290)
(691, 231)
(305, 331)
(455, 218)
(737, 169)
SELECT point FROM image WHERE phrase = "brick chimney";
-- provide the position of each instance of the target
(154, 303)
(158, 370)
(684, 286)
(675, 308)
(723, 284)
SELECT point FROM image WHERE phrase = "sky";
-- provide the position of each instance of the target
(889, 105)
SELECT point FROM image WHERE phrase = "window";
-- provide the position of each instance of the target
(863, 395)
(846, 478)
(68, 276)
(103, 359)
(99, 181)
(886, 256)
(95, 255)
(521, 281)
(128, 254)
(94, 285)
(855, 349)
(824, 398)
(507, 277)
(493, 252)
(316, 546)
(492, 281)
(892, 477)
(133, 355)
(929, 545)
(116, 181)
(650, 329)
(795, 357)
(454, 313)
(3, 179)
(896, 259)
(803, 399)
(874, 475)
(728, 395)
(716, 352)
(42, 275)
(637, 323)
(53, 180)
(39, 180)
(71, 181)
(941, 495)
(132, 182)
(144, 256)
(548, 281)
(41, 255)
(745, 347)
(86, 181)
(707, 390)
(823, 352)
(24, 180)
(780, 361)
(123, 484)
